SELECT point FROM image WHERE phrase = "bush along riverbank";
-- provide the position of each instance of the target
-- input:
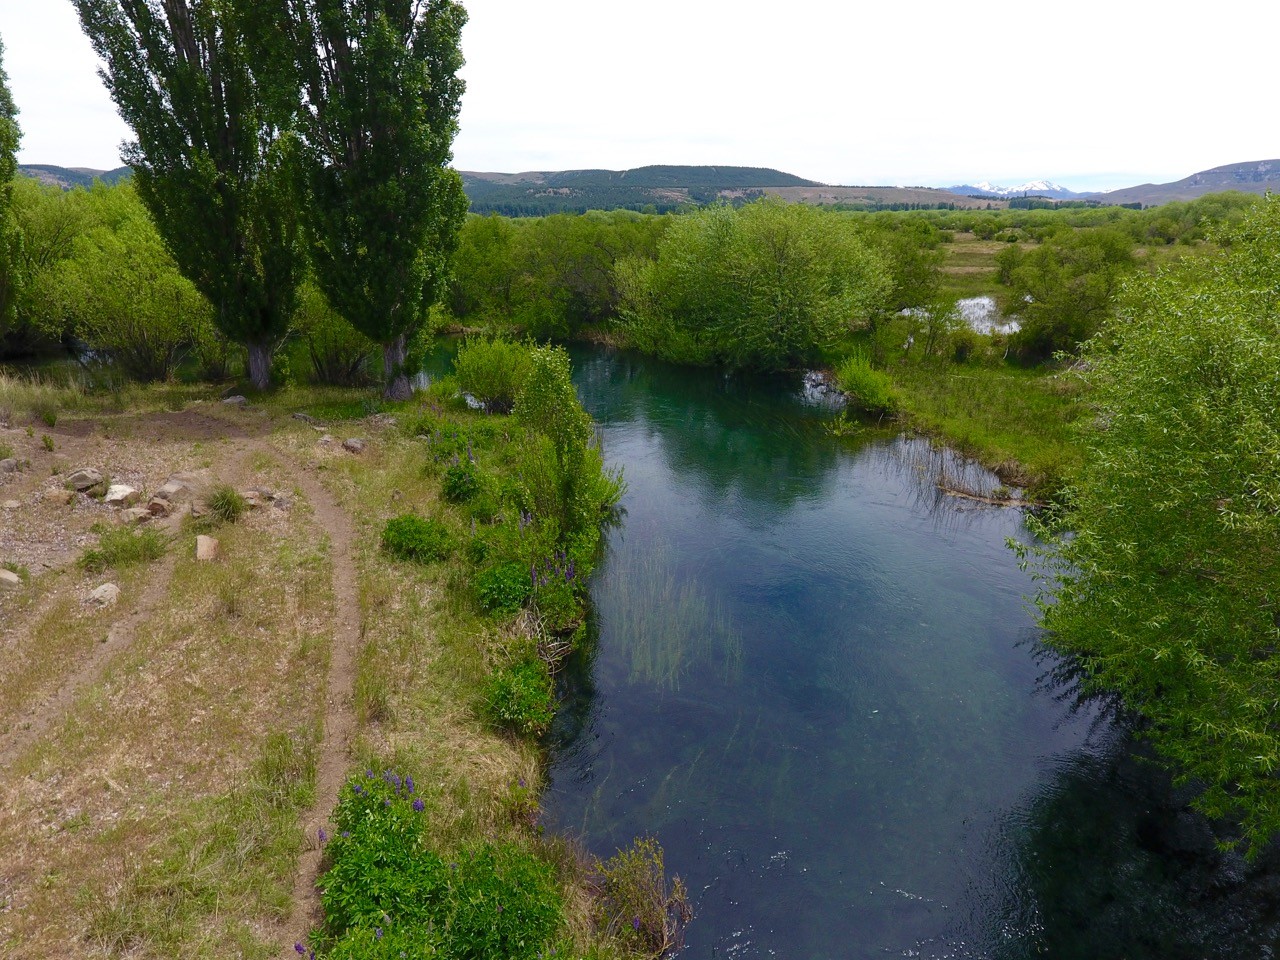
(484, 528)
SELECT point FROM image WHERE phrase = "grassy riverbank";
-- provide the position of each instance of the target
(176, 755)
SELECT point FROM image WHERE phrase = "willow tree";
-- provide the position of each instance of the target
(10, 237)
(379, 105)
(206, 160)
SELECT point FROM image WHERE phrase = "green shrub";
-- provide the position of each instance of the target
(120, 547)
(866, 388)
(492, 371)
(225, 504)
(411, 537)
(461, 482)
(520, 696)
(636, 904)
(6, 451)
(386, 892)
(503, 589)
(555, 594)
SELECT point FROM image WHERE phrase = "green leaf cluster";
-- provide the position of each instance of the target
(1163, 578)
(410, 537)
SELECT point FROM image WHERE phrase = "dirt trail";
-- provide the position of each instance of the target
(333, 760)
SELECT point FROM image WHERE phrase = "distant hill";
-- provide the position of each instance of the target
(658, 188)
(68, 177)
(1255, 176)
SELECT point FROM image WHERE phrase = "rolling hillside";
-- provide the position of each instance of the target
(1255, 176)
(68, 177)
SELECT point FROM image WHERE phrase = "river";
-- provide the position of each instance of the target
(816, 681)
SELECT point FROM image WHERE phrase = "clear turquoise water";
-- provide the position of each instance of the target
(817, 683)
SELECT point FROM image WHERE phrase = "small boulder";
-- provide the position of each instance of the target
(206, 548)
(187, 485)
(305, 418)
(354, 445)
(11, 505)
(253, 498)
(83, 478)
(62, 497)
(326, 439)
(135, 515)
(9, 465)
(106, 595)
(158, 507)
(237, 401)
(121, 495)
(9, 580)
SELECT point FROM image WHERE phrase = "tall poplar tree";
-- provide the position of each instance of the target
(206, 160)
(380, 95)
(10, 237)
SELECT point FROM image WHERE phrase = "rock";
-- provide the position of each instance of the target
(305, 418)
(325, 439)
(135, 515)
(206, 548)
(159, 508)
(62, 497)
(253, 498)
(83, 478)
(10, 465)
(9, 580)
(11, 505)
(187, 485)
(237, 401)
(121, 495)
(106, 595)
(354, 445)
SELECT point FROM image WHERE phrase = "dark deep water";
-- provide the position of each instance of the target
(816, 683)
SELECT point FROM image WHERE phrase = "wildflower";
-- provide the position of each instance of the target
(377, 933)
(418, 805)
(324, 837)
(300, 948)
(346, 834)
(520, 782)
(369, 774)
(635, 923)
(357, 788)
(408, 784)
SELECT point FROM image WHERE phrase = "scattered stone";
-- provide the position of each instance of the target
(305, 418)
(281, 502)
(11, 505)
(9, 580)
(327, 438)
(206, 548)
(84, 478)
(106, 595)
(121, 495)
(253, 498)
(354, 445)
(237, 401)
(9, 465)
(135, 515)
(159, 508)
(188, 485)
(62, 497)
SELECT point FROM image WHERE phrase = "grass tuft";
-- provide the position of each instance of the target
(119, 547)
(225, 505)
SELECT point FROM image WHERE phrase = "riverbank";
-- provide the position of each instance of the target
(174, 752)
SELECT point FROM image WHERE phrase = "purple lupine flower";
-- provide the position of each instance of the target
(346, 834)
(300, 949)
(386, 803)
(408, 784)
(369, 774)
(324, 837)
(635, 923)
(418, 805)
(377, 933)
(356, 788)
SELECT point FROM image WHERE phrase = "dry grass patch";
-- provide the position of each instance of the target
(162, 818)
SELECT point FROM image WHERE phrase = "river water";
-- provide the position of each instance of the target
(816, 681)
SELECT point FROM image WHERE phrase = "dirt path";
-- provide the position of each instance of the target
(339, 714)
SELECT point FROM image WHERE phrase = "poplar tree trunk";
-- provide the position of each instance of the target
(260, 365)
(394, 355)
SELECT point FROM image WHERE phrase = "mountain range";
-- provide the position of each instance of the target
(663, 188)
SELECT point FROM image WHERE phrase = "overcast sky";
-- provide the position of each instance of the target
(1092, 94)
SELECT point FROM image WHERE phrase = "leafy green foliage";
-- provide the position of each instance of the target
(1161, 578)
(11, 277)
(461, 482)
(340, 355)
(411, 537)
(377, 95)
(765, 286)
(503, 589)
(385, 887)
(636, 904)
(866, 388)
(206, 160)
(120, 547)
(492, 371)
(520, 696)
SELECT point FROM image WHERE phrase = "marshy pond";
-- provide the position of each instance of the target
(815, 679)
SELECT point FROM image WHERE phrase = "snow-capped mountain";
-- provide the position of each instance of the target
(1032, 188)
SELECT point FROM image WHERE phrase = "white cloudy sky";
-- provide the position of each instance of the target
(1092, 94)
